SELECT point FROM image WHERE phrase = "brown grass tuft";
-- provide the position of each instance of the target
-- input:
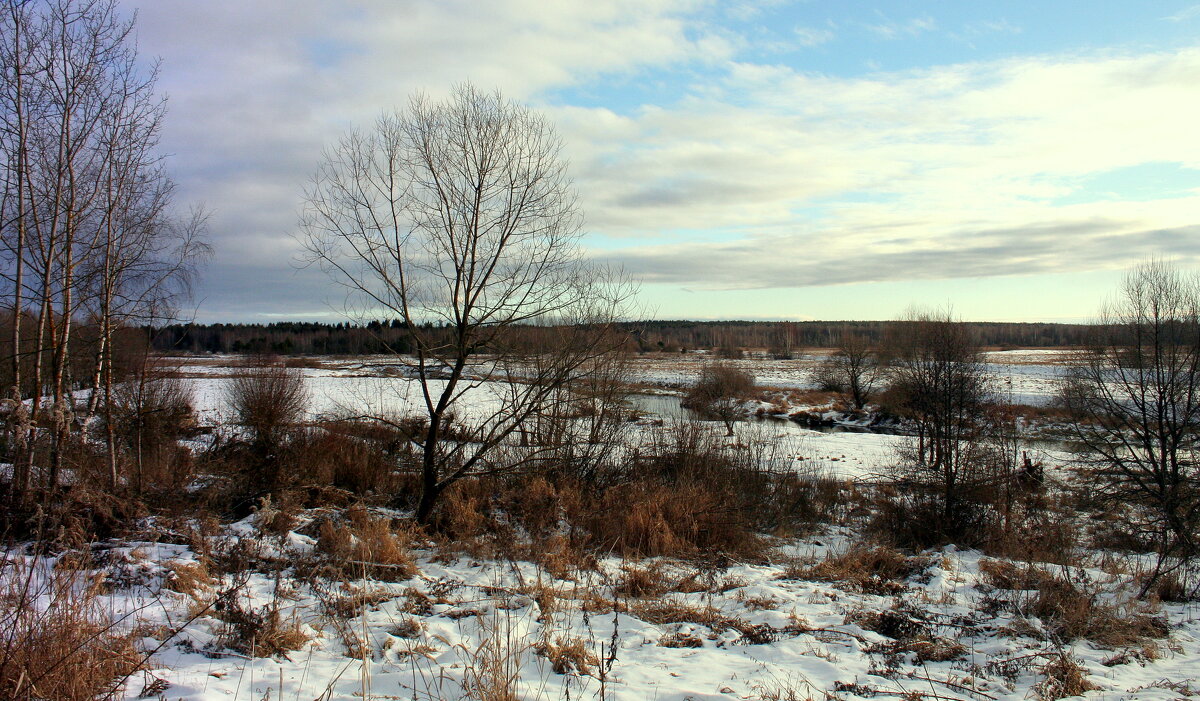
(58, 641)
(366, 546)
(567, 655)
(1062, 676)
(869, 569)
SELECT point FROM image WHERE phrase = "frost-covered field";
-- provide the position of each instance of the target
(651, 630)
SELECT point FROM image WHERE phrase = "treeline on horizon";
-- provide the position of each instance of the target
(779, 338)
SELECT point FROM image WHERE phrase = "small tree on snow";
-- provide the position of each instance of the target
(720, 391)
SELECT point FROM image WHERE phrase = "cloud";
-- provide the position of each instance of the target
(1185, 14)
(813, 36)
(936, 173)
(903, 29)
(805, 178)
(257, 90)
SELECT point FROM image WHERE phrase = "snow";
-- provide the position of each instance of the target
(812, 639)
(765, 632)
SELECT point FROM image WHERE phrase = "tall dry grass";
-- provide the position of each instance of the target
(56, 639)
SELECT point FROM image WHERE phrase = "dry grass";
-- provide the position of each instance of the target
(258, 632)
(1062, 676)
(654, 579)
(408, 628)
(1070, 610)
(664, 611)
(867, 569)
(567, 655)
(492, 669)
(354, 603)
(58, 642)
(680, 639)
(367, 546)
(190, 578)
(1003, 574)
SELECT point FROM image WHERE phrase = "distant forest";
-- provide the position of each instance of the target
(776, 337)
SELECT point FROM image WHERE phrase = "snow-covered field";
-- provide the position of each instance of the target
(751, 631)
(207, 599)
(1026, 376)
(369, 386)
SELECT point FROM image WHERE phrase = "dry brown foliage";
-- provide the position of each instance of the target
(190, 578)
(1070, 610)
(1062, 676)
(869, 569)
(680, 639)
(367, 546)
(58, 641)
(567, 655)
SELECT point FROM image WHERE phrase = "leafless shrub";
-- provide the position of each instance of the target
(720, 391)
(939, 385)
(1135, 398)
(149, 413)
(268, 400)
(853, 370)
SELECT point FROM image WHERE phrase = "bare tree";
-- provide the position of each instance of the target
(941, 387)
(1135, 395)
(853, 370)
(720, 392)
(459, 216)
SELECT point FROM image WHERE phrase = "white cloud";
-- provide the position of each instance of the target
(1185, 14)
(813, 36)
(807, 177)
(948, 169)
(901, 29)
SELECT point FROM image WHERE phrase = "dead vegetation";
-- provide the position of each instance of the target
(363, 545)
(1070, 606)
(58, 640)
(868, 569)
(1062, 676)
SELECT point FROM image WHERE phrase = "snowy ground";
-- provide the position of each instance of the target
(762, 630)
(1027, 376)
(752, 631)
(369, 386)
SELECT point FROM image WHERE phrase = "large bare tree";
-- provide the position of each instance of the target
(458, 217)
(1135, 395)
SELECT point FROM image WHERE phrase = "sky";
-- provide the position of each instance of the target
(754, 159)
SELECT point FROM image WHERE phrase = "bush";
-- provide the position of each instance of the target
(268, 400)
(719, 392)
(366, 546)
(869, 569)
(150, 413)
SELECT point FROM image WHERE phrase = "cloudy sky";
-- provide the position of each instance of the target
(813, 159)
